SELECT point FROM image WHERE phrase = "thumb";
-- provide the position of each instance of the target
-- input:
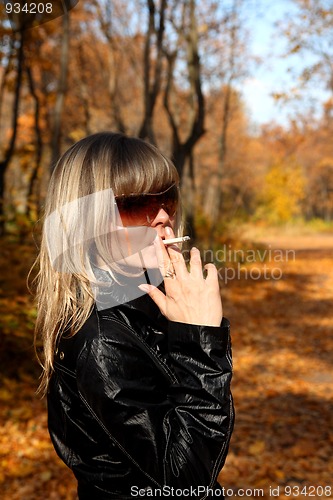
(155, 294)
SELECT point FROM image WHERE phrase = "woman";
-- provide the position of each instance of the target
(137, 361)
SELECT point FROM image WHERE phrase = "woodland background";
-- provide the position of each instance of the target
(169, 72)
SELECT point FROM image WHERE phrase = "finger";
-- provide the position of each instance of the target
(158, 297)
(195, 263)
(177, 261)
(212, 274)
(175, 255)
(163, 258)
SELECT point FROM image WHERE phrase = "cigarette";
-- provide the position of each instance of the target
(176, 240)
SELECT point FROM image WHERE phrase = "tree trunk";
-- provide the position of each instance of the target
(152, 85)
(81, 82)
(110, 71)
(61, 92)
(39, 146)
(6, 72)
(11, 146)
(183, 150)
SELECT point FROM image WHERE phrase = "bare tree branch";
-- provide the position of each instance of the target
(152, 84)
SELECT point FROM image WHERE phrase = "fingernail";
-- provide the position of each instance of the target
(168, 231)
(144, 288)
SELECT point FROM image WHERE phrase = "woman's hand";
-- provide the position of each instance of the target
(189, 296)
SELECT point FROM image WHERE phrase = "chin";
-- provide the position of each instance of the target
(146, 259)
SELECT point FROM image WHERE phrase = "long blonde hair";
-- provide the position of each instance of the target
(96, 163)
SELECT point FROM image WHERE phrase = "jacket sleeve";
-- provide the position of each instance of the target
(173, 418)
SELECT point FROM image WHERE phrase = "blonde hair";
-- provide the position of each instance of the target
(96, 163)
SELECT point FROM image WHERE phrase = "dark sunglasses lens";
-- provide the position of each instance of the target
(142, 209)
(169, 200)
(132, 211)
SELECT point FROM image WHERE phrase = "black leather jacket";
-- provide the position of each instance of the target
(138, 402)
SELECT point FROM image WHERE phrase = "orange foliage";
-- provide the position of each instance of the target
(282, 348)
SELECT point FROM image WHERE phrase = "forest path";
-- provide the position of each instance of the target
(282, 333)
(283, 379)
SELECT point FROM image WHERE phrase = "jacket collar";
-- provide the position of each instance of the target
(124, 292)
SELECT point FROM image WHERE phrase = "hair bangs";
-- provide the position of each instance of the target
(143, 169)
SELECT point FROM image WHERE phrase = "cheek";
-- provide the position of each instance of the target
(149, 257)
(172, 222)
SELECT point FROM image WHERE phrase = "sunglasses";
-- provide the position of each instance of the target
(141, 209)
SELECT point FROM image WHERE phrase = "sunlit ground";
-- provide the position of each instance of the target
(283, 381)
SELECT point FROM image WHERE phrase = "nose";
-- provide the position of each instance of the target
(161, 221)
